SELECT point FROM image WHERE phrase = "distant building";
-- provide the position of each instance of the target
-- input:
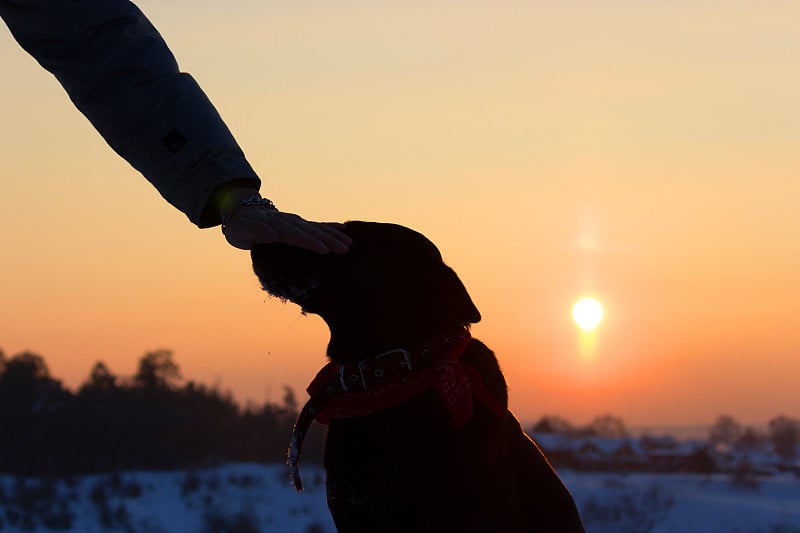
(659, 454)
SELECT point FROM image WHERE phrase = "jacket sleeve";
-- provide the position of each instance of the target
(119, 72)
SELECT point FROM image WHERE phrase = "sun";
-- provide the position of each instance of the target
(587, 313)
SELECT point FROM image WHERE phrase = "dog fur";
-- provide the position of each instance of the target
(408, 468)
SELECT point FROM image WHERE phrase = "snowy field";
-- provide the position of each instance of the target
(249, 498)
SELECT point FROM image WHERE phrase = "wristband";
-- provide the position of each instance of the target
(247, 202)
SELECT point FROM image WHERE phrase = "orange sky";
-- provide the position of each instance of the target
(643, 152)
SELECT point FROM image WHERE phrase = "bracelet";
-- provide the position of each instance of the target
(247, 202)
(257, 200)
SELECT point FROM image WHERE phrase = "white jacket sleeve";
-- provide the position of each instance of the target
(120, 73)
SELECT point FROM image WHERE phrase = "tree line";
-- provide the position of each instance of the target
(603, 426)
(150, 420)
(781, 435)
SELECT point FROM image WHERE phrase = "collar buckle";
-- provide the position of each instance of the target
(384, 365)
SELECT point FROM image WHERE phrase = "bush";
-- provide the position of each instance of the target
(190, 484)
(241, 522)
(105, 492)
(783, 528)
(37, 502)
(626, 508)
(744, 475)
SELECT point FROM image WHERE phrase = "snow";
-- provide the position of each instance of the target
(685, 503)
(260, 498)
(237, 497)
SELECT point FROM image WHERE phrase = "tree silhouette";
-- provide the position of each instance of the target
(289, 399)
(785, 434)
(607, 426)
(725, 430)
(553, 424)
(157, 370)
(26, 366)
(100, 378)
(751, 440)
(33, 409)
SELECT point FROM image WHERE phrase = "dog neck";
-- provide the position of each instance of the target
(393, 365)
(353, 390)
(350, 344)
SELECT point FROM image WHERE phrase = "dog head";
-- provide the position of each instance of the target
(389, 289)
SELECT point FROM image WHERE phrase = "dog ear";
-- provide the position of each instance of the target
(454, 298)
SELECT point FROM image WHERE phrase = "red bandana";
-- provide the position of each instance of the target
(457, 384)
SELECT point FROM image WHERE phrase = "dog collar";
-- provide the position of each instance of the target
(352, 390)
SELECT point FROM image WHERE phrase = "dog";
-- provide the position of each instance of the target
(420, 438)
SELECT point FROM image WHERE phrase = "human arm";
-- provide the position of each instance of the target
(120, 74)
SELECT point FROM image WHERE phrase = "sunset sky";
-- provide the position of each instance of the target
(646, 153)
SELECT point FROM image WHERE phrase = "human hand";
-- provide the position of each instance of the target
(248, 221)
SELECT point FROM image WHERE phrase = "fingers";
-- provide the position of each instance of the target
(332, 235)
(294, 231)
(253, 224)
(314, 236)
